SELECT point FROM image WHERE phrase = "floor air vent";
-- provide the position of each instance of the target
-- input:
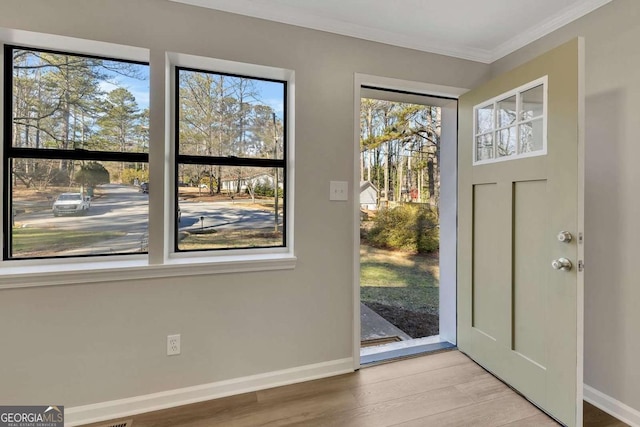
(125, 423)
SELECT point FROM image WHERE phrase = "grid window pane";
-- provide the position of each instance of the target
(77, 208)
(532, 103)
(484, 147)
(518, 126)
(531, 136)
(230, 116)
(484, 119)
(507, 112)
(69, 102)
(507, 139)
(226, 207)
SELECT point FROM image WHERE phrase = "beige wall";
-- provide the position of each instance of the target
(90, 343)
(612, 219)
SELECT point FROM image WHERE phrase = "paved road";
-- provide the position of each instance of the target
(124, 208)
(118, 208)
(224, 215)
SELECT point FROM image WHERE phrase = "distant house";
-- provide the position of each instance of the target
(231, 185)
(368, 196)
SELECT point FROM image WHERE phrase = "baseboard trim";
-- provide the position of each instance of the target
(608, 404)
(121, 408)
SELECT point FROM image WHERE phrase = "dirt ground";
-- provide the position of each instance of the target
(414, 324)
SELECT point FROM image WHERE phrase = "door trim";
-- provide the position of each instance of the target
(399, 85)
(581, 243)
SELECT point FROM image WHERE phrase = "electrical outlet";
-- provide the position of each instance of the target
(173, 345)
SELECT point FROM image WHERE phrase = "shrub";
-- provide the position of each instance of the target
(406, 227)
(129, 176)
(265, 190)
(92, 174)
(59, 178)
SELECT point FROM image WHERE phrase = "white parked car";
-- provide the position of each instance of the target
(71, 204)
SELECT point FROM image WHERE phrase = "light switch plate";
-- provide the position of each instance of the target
(338, 190)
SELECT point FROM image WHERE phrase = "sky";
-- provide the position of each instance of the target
(270, 92)
(139, 88)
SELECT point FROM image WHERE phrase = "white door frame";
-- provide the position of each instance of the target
(448, 226)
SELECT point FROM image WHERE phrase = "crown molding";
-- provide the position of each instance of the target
(293, 16)
(557, 21)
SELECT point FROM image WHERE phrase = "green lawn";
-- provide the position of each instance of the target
(399, 279)
(230, 239)
(48, 241)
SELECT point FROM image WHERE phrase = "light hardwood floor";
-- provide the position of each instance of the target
(443, 389)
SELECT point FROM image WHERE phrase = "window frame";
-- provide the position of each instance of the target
(9, 152)
(160, 262)
(495, 129)
(279, 163)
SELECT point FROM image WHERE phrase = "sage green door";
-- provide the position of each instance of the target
(520, 186)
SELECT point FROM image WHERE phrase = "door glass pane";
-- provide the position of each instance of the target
(484, 147)
(532, 103)
(506, 142)
(531, 136)
(507, 112)
(484, 119)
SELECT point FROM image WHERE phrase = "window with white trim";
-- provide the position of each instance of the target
(512, 125)
(75, 154)
(231, 152)
(80, 147)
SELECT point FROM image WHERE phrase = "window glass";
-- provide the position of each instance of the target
(517, 127)
(77, 155)
(230, 116)
(484, 147)
(532, 103)
(507, 112)
(484, 119)
(531, 136)
(230, 161)
(507, 142)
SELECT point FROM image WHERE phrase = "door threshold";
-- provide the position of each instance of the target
(372, 355)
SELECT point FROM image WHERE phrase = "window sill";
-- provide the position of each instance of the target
(32, 275)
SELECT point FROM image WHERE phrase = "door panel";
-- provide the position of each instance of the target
(486, 269)
(530, 266)
(517, 316)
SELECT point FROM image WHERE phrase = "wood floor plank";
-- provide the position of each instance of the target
(268, 413)
(485, 387)
(390, 412)
(539, 420)
(492, 413)
(594, 417)
(413, 366)
(419, 383)
(324, 385)
(444, 389)
(369, 375)
(183, 414)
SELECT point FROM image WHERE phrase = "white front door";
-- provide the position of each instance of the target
(520, 186)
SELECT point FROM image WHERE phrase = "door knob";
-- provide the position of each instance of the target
(562, 264)
(565, 237)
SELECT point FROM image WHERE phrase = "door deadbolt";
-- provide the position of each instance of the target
(564, 237)
(561, 264)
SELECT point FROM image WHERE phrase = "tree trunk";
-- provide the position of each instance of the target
(387, 173)
(432, 182)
